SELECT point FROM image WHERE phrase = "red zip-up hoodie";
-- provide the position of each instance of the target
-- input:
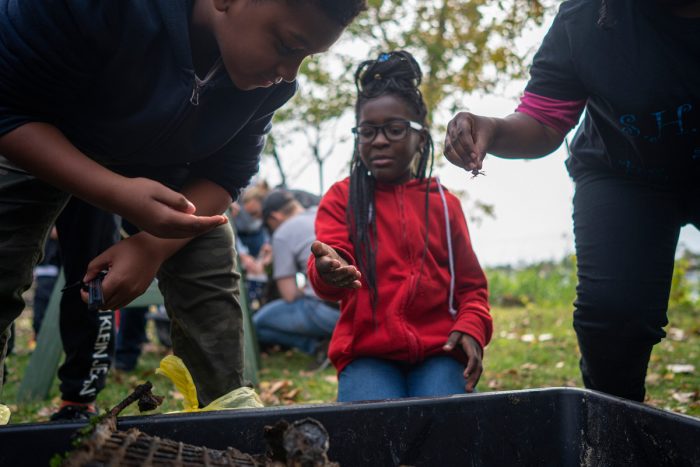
(412, 319)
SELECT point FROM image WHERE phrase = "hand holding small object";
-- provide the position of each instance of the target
(467, 140)
(93, 287)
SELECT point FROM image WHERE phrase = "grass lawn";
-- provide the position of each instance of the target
(531, 348)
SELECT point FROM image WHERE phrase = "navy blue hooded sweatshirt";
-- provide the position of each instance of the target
(116, 77)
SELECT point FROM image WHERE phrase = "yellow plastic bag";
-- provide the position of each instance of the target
(4, 414)
(175, 370)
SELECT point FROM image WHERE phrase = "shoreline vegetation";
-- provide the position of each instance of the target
(533, 346)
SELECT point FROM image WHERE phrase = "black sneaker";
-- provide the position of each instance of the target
(75, 412)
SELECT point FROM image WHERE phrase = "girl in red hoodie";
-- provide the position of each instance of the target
(393, 247)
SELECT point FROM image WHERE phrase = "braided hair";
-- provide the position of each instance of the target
(394, 73)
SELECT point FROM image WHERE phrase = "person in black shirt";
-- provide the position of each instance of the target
(155, 110)
(635, 160)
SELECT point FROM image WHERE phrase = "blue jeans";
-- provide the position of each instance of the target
(303, 323)
(376, 379)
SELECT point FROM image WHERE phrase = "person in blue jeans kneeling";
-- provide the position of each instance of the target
(299, 319)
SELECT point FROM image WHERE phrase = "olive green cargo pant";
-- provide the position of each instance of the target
(199, 284)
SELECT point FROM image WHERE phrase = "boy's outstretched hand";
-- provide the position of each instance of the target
(333, 269)
(474, 368)
(162, 212)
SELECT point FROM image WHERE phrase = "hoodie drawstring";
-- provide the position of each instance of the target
(450, 252)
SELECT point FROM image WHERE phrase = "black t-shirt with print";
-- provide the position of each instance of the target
(641, 77)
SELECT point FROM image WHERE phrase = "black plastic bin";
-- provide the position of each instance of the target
(543, 427)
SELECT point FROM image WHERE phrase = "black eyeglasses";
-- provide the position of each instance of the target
(393, 131)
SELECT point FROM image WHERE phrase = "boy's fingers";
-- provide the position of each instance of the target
(189, 225)
(97, 265)
(174, 200)
(84, 296)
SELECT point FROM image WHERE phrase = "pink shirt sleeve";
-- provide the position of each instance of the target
(555, 113)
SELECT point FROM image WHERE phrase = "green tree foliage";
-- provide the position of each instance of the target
(685, 288)
(549, 283)
(463, 46)
(553, 283)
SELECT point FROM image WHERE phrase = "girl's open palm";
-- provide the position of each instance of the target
(333, 269)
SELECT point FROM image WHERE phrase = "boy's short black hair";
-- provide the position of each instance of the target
(341, 11)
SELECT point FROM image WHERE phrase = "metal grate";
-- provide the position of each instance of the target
(303, 443)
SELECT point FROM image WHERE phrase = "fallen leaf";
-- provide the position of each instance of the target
(277, 385)
(269, 399)
(529, 366)
(46, 412)
(653, 378)
(684, 397)
(278, 392)
(559, 365)
(681, 368)
(676, 334)
(494, 384)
